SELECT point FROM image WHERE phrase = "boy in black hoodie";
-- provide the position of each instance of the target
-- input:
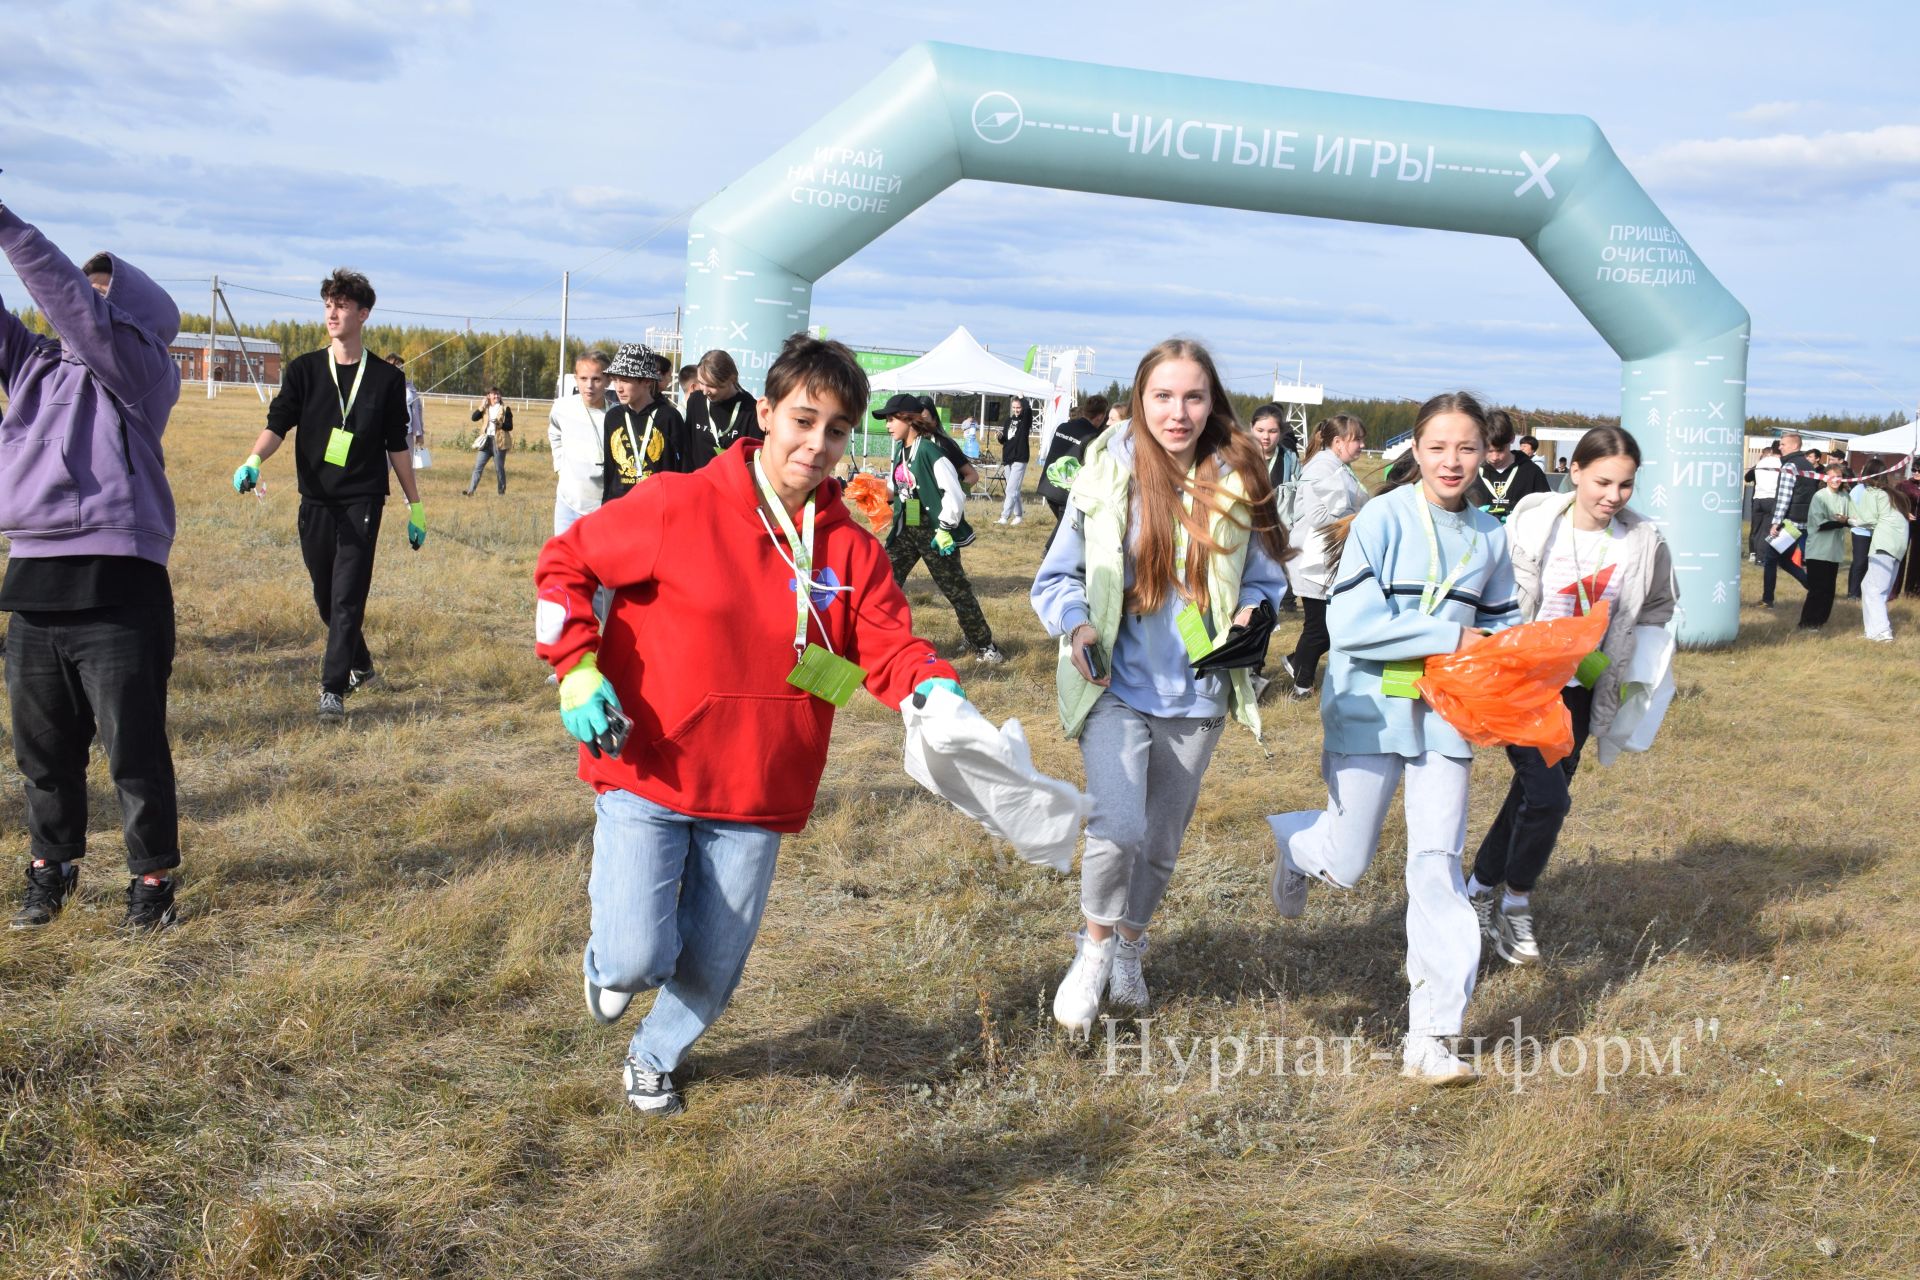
(645, 435)
(1070, 441)
(1507, 475)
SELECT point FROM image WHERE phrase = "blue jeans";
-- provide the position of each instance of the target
(676, 906)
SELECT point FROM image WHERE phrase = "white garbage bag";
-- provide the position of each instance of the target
(1646, 689)
(988, 774)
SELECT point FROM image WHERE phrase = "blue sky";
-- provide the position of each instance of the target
(465, 154)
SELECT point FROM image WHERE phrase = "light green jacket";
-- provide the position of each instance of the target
(1889, 526)
(1830, 544)
(1102, 492)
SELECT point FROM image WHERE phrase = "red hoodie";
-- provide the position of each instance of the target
(699, 641)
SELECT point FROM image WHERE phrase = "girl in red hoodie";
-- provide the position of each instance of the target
(747, 606)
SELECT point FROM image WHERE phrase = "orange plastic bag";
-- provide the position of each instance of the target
(869, 494)
(1505, 691)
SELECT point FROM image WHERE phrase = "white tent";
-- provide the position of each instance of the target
(961, 364)
(1903, 440)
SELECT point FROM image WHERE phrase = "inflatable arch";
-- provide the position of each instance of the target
(945, 112)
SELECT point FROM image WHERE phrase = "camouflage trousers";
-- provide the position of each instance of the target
(907, 546)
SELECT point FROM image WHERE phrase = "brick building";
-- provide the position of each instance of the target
(189, 352)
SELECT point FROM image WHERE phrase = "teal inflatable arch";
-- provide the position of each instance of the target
(944, 112)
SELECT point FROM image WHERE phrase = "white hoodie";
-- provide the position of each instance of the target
(576, 434)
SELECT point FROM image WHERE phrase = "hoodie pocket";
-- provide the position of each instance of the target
(747, 755)
(40, 494)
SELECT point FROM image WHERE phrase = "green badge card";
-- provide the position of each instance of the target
(826, 675)
(337, 445)
(1591, 668)
(913, 513)
(1397, 678)
(1193, 632)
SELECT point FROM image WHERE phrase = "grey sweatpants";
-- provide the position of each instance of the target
(1143, 776)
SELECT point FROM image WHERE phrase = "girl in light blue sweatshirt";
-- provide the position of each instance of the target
(1422, 573)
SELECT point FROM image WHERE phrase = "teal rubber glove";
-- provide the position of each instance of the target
(943, 543)
(416, 524)
(938, 682)
(247, 474)
(1063, 471)
(585, 696)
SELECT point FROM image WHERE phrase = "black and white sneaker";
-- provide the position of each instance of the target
(603, 1005)
(652, 1093)
(49, 885)
(149, 903)
(357, 680)
(1299, 690)
(332, 706)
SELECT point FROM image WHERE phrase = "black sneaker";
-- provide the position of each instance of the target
(652, 1093)
(149, 903)
(332, 707)
(49, 885)
(361, 679)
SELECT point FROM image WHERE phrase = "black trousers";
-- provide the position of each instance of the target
(337, 542)
(1313, 642)
(1858, 573)
(1521, 839)
(1762, 519)
(69, 673)
(1059, 514)
(1821, 577)
(1775, 562)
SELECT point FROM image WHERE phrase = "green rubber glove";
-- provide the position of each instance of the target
(584, 697)
(1063, 471)
(416, 524)
(943, 543)
(247, 474)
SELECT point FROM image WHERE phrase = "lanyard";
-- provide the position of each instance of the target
(1499, 491)
(640, 450)
(1434, 592)
(1573, 553)
(722, 427)
(346, 405)
(802, 558)
(1181, 538)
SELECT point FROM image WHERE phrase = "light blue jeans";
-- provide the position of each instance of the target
(563, 518)
(676, 906)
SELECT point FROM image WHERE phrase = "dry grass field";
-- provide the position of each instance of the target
(362, 1052)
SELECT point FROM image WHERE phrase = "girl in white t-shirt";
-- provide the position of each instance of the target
(1570, 552)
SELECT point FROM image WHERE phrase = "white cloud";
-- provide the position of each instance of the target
(1787, 166)
(1764, 113)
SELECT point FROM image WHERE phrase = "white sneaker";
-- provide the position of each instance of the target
(1077, 1002)
(652, 1092)
(1128, 986)
(1485, 907)
(1427, 1058)
(603, 1005)
(1513, 935)
(1289, 888)
(989, 654)
(1299, 690)
(1001, 520)
(1016, 520)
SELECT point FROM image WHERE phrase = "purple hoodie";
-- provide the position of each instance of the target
(81, 472)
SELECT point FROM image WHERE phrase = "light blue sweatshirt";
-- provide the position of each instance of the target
(1374, 617)
(1149, 665)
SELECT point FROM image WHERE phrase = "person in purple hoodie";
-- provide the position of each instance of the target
(85, 503)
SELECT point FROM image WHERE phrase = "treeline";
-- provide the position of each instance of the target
(1386, 419)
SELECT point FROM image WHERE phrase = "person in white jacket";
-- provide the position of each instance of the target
(576, 436)
(1570, 552)
(1327, 491)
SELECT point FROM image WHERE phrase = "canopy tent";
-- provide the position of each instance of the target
(1904, 441)
(959, 363)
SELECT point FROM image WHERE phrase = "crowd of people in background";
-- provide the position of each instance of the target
(706, 603)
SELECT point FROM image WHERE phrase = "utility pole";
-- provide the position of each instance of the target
(560, 366)
(213, 333)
